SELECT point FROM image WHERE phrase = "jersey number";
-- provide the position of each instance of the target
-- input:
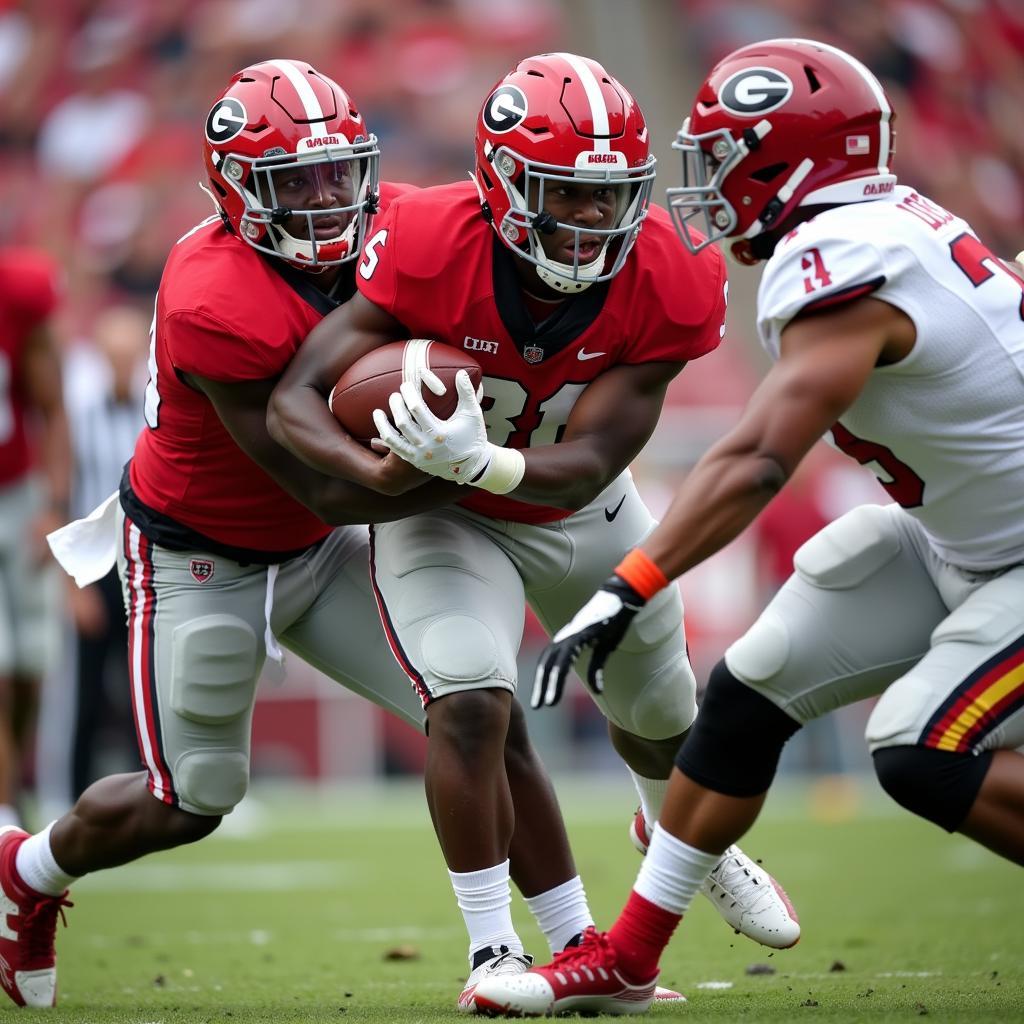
(368, 264)
(904, 486)
(819, 277)
(976, 261)
(505, 400)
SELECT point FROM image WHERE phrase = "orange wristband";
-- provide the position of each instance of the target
(641, 574)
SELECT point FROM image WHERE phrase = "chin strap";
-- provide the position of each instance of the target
(563, 282)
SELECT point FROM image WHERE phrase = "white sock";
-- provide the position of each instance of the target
(672, 872)
(484, 897)
(561, 913)
(38, 870)
(9, 815)
(652, 796)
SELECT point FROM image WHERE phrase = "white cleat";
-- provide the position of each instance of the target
(503, 964)
(750, 900)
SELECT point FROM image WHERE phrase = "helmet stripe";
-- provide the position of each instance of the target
(876, 88)
(591, 86)
(307, 97)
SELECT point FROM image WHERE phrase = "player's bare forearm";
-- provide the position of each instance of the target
(341, 503)
(609, 425)
(298, 417)
(568, 475)
(819, 375)
(720, 498)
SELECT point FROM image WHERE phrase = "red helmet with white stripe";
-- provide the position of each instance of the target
(779, 125)
(554, 117)
(290, 163)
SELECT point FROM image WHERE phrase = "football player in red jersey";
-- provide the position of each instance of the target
(893, 328)
(579, 320)
(35, 473)
(224, 549)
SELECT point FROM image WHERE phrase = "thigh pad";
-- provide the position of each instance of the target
(845, 553)
(215, 667)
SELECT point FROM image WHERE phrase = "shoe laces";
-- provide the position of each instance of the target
(39, 926)
(509, 963)
(743, 883)
(595, 950)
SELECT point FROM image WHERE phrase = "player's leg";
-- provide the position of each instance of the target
(649, 690)
(453, 607)
(857, 613)
(947, 737)
(357, 655)
(31, 603)
(195, 651)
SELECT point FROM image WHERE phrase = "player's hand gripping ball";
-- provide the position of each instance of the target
(370, 381)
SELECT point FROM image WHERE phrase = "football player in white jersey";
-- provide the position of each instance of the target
(896, 331)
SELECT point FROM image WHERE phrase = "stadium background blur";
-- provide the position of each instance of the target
(101, 110)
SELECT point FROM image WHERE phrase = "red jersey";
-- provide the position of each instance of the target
(437, 266)
(225, 312)
(28, 295)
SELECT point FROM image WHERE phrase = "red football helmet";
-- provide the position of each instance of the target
(775, 126)
(285, 145)
(559, 116)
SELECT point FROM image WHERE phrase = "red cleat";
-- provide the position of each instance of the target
(28, 926)
(583, 979)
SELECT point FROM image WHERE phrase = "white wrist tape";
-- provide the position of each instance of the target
(503, 472)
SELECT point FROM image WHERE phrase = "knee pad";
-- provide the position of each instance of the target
(458, 649)
(734, 746)
(938, 785)
(214, 669)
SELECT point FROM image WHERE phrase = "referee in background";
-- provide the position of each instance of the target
(104, 397)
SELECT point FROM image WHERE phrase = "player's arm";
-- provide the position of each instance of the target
(298, 417)
(609, 424)
(242, 408)
(41, 381)
(826, 359)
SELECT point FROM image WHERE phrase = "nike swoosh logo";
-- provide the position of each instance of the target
(610, 515)
(583, 356)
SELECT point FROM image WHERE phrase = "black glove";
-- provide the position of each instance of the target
(600, 624)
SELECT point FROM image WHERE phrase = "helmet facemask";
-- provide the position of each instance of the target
(271, 187)
(525, 184)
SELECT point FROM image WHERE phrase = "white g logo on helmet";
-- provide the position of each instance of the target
(755, 91)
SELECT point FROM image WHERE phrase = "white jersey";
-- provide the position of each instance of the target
(943, 429)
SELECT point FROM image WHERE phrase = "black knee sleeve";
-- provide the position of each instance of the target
(735, 742)
(938, 785)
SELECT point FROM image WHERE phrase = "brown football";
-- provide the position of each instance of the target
(369, 382)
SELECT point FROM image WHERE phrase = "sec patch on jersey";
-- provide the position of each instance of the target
(369, 382)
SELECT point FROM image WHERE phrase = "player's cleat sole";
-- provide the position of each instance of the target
(668, 995)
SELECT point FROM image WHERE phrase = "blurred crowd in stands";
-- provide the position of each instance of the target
(102, 103)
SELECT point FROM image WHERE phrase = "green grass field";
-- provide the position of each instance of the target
(292, 915)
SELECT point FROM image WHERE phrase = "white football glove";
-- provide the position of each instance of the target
(454, 449)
